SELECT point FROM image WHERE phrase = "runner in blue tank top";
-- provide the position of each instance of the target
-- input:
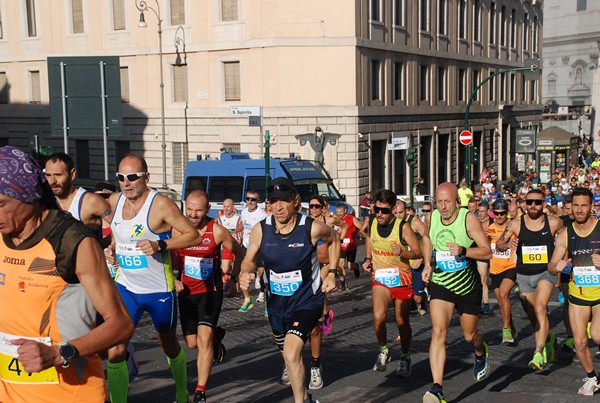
(295, 283)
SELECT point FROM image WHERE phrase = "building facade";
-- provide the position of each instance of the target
(368, 70)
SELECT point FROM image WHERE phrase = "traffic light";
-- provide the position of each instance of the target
(475, 156)
(411, 156)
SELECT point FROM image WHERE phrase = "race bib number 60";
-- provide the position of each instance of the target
(534, 254)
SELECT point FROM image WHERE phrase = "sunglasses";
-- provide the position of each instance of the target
(251, 199)
(130, 177)
(500, 213)
(426, 211)
(310, 206)
(382, 210)
(283, 187)
(536, 202)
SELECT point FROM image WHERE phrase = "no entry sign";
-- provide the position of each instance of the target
(465, 137)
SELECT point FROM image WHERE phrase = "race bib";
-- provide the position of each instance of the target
(534, 254)
(285, 284)
(12, 371)
(200, 268)
(112, 270)
(131, 258)
(449, 263)
(586, 276)
(388, 277)
(499, 255)
(346, 242)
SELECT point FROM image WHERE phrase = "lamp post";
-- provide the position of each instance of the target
(142, 6)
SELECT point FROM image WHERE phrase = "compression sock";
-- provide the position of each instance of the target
(118, 381)
(315, 362)
(385, 349)
(179, 371)
(200, 388)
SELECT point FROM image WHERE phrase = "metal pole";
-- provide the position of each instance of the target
(63, 97)
(104, 124)
(267, 163)
(162, 106)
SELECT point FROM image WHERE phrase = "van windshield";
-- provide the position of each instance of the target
(327, 190)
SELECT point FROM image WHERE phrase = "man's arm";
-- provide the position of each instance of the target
(560, 255)
(222, 236)
(556, 224)
(363, 229)
(411, 239)
(248, 265)
(321, 232)
(482, 251)
(509, 238)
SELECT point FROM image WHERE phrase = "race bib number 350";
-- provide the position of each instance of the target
(534, 254)
(11, 369)
(586, 276)
(131, 258)
(285, 284)
(200, 268)
(449, 263)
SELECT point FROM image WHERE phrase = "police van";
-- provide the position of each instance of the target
(235, 173)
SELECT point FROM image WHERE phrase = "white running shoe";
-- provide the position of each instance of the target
(590, 385)
(257, 282)
(316, 381)
(382, 359)
(261, 297)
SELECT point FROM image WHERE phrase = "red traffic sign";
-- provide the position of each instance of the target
(465, 137)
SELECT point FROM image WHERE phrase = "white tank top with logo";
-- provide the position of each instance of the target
(250, 219)
(75, 207)
(230, 223)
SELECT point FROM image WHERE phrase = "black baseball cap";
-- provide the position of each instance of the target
(282, 188)
(500, 204)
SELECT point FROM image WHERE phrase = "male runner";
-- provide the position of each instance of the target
(232, 221)
(201, 296)
(287, 243)
(350, 241)
(251, 215)
(458, 241)
(533, 240)
(54, 280)
(502, 268)
(388, 260)
(483, 266)
(141, 228)
(564, 279)
(578, 244)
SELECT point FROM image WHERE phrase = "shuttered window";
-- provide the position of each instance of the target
(177, 12)
(124, 73)
(77, 15)
(36, 97)
(30, 8)
(180, 83)
(180, 159)
(118, 14)
(232, 81)
(229, 10)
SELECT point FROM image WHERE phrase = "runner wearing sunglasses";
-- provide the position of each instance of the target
(533, 238)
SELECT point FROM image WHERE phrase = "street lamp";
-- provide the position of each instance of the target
(143, 6)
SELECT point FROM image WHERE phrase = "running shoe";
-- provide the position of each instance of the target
(481, 369)
(257, 282)
(261, 297)
(284, 379)
(311, 399)
(403, 370)
(327, 325)
(485, 309)
(199, 397)
(218, 347)
(382, 359)
(537, 362)
(247, 306)
(356, 271)
(568, 345)
(316, 380)
(590, 385)
(435, 395)
(421, 310)
(507, 336)
(550, 348)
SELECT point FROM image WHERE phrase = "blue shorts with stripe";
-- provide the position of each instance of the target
(162, 307)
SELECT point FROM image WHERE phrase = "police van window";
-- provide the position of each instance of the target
(194, 183)
(328, 191)
(222, 187)
(306, 191)
(256, 183)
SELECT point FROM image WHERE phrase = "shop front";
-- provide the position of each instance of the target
(556, 150)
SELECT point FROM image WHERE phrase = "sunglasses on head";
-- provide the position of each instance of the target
(500, 213)
(536, 202)
(251, 199)
(130, 177)
(382, 210)
(315, 205)
(282, 187)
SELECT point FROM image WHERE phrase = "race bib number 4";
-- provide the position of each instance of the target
(586, 276)
(534, 254)
(200, 268)
(285, 284)
(449, 263)
(499, 255)
(388, 277)
(131, 258)
(12, 371)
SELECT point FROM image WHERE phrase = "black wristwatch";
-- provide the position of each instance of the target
(162, 246)
(67, 352)
(463, 251)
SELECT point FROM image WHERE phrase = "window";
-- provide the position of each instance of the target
(523, 89)
(492, 86)
(476, 80)
(424, 82)
(124, 75)
(462, 19)
(229, 10)
(532, 90)
(441, 83)
(581, 5)
(513, 28)
(462, 85)
(552, 84)
(503, 87)
(232, 81)
(477, 20)
(424, 15)
(398, 81)
(3, 88)
(30, 9)
(180, 83)
(118, 14)
(1, 30)
(180, 159)
(232, 147)
(491, 143)
(376, 80)
(77, 16)
(526, 31)
(503, 31)
(222, 187)
(177, 12)
(492, 23)
(535, 33)
(399, 13)
(34, 81)
(442, 17)
(513, 87)
(82, 158)
(376, 10)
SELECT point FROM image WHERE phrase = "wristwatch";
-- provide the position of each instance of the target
(67, 352)
(162, 246)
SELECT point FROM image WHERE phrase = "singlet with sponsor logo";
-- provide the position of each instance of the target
(139, 273)
(349, 243)
(201, 264)
(75, 207)
(500, 261)
(389, 268)
(535, 248)
(585, 277)
(291, 268)
(43, 300)
(230, 223)
(250, 219)
(455, 273)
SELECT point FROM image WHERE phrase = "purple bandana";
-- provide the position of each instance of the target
(20, 175)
